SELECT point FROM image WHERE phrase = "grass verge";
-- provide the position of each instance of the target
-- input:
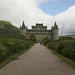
(13, 57)
(68, 61)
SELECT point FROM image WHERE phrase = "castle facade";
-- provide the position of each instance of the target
(40, 31)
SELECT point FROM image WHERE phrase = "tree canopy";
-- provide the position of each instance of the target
(45, 40)
(32, 37)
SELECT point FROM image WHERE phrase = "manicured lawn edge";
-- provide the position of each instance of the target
(68, 61)
(13, 57)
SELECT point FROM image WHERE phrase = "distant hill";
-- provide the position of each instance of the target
(8, 30)
(73, 36)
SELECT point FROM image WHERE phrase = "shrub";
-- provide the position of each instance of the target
(9, 46)
(65, 48)
(52, 45)
(21, 37)
(60, 48)
(45, 40)
(4, 52)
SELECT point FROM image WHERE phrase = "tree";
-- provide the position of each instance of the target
(65, 38)
(21, 37)
(45, 40)
(32, 38)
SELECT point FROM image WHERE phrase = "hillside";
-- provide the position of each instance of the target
(8, 30)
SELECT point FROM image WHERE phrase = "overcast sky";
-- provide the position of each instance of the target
(40, 11)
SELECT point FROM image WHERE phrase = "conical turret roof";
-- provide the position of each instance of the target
(23, 25)
(55, 25)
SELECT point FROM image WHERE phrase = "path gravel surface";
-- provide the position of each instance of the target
(37, 61)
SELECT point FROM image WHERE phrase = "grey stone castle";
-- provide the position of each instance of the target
(40, 31)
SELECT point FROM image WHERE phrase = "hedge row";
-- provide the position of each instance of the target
(11, 46)
(65, 48)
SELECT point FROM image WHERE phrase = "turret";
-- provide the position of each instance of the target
(55, 32)
(23, 26)
(23, 29)
(52, 28)
(55, 25)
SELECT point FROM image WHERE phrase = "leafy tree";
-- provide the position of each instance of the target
(61, 38)
(32, 38)
(64, 47)
(45, 40)
(65, 38)
(21, 37)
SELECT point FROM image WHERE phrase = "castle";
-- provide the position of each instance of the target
(40, 31)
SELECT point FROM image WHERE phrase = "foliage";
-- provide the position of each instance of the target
(32, 38)
(21, 37)
(53, 45)
(12, 57)
(68, 61)
(65, 48)
(65, 38)
(11, 41)
(8, 30)
(3, 23)
(45, 40)
(9, 46)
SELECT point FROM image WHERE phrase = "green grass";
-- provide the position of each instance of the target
(11, 58)
(68, 61)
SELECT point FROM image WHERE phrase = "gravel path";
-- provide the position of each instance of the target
(37, 61)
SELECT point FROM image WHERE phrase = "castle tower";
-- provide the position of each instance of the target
(23, 29)
(55, 32)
